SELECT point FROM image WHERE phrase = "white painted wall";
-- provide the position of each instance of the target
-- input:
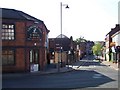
(116, 38)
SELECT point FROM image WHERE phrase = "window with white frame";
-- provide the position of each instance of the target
(8, 31)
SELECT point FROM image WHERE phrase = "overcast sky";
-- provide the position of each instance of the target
(91, 19)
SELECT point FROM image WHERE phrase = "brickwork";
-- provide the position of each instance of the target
(22, 47)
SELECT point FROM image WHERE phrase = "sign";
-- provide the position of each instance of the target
(57, 47)
(33, 67)
(34, 32)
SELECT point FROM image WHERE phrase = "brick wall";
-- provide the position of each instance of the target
(22, 47)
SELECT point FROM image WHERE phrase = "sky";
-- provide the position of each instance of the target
(91, 19)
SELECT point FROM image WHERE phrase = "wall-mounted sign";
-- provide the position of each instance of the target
(34, 32)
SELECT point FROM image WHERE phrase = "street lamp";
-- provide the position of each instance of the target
(61, 15)
(66, 6)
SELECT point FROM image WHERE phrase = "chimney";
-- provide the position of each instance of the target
(117, 25)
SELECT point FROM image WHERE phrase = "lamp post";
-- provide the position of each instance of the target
(68, 61)
(61, 15)
(66, 6)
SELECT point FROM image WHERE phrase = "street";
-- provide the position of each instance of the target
(91, 74)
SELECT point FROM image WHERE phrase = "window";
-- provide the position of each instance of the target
(8, 32)
(8, 57)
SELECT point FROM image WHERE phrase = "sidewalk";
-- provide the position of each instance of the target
(50, 71)
(111, 64)
(45, 72)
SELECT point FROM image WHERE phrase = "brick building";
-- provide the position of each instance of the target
(59, 49)
(24, 42)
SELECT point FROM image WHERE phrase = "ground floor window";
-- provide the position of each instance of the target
(8, 57)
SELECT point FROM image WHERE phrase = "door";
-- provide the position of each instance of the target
(34, 60)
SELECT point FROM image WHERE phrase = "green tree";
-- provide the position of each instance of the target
(97, 49)
(81, 39)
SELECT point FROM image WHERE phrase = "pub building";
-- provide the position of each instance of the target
(24, 42)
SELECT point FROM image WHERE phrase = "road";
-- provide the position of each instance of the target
(91, 74)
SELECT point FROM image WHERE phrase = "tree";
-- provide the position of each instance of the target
(81, 39)
(97, 49)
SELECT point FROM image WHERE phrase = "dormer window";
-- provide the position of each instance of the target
(34, 32)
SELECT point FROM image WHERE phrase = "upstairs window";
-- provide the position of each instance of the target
(8, 32)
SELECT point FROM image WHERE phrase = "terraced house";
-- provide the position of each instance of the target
(24, 42)
(113, 45)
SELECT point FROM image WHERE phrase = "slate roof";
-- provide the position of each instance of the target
(63, 36)
(114, 30)
(16, 14)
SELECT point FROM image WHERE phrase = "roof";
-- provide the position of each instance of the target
(16, 14)
(62, 36)
(114, 30)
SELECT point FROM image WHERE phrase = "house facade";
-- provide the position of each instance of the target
(89, 45)
(24, 42)
(85, 48)
(115, 55)
(112, 42)
(61, 50)
(82, 49)
(107, 47)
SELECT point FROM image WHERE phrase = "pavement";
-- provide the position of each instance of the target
(50, 71)
(68, 68)
(111, 64)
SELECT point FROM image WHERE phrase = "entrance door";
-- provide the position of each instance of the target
(34, 60)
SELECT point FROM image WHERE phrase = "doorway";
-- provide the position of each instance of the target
(34, 60)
